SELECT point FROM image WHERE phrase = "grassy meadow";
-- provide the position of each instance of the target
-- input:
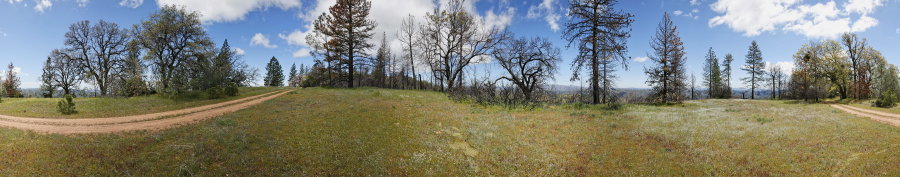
(377, 132)
(95, 107)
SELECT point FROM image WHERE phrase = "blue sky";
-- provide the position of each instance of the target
(30, 29)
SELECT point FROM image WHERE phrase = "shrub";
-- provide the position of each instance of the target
(67, 106)
(231, 90)
(887, 99)
(222, 91)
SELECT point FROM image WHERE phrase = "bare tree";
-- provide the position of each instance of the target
(407, 36)
(67, 75)
(529, 63)
(776, 75)
(862, 64)
(667, 78)
(693, 87)
(452, 39)
(600, 34)
(98, 50)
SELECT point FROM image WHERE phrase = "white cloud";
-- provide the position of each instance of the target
(863, 7)
(261, 40)
(819, 20)
(695, 2)
(304, 52)
(239, 51)
(689, 15)
(82, 3)
(42, 5)
(863, 23)
(131, 3)
(641, 59)
(547, 9)
(228, 10)
(500, 21)
(787, 67)
(297, 38)
(898, 32)
(388, 15)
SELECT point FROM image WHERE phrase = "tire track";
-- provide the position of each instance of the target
(149, 125)
(888, 118)
(125, 119)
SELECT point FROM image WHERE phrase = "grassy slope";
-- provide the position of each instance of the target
(414, 133)
(110, 107)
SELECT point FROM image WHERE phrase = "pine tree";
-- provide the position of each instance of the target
(712, 76)
(274, 74)
(726, 75)
(292, 76)
(600, 33)
(47, 86)
(755, 68)
(349, 28)
(381, 62)
(667, 78)
(11, 83)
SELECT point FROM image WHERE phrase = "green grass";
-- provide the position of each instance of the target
(376, 132)
(111, 107)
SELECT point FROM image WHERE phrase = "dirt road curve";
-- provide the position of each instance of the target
(888, 118)
(155, 121)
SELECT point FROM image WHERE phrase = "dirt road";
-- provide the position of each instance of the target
(155, 121)
(888, 118)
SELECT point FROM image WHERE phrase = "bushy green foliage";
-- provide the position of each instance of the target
(887, 99)
(274, 76)
(67, 106)
(886, 86)
(223, 91)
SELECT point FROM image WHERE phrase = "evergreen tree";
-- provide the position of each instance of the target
(667, 78)
(381, 62)
(755, 68)
(274, 74)
(11, 83)
(726, 75)
(712, 76)
(600, 33)
(292, 76)
(349, 29)
(47, 86)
